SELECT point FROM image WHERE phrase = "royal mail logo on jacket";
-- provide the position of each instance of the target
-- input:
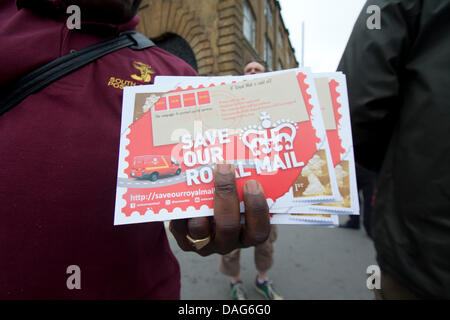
(143, 76)
(146, 73)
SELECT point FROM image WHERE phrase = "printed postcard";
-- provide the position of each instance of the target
(269, 127)
(332, 93)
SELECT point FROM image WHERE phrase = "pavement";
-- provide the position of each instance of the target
(311, 263)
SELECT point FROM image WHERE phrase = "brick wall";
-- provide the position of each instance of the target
(213, 29)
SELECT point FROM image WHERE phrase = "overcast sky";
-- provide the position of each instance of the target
(328, 24)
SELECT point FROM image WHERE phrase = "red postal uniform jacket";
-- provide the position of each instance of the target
(58, 161)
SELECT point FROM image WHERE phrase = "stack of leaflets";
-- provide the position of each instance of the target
(289, 130)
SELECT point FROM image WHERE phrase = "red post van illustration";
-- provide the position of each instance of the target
(154, 167)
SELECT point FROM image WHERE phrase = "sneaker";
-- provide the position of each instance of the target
(267, 290)
(238, 291)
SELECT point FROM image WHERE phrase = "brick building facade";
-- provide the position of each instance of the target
(218, 37)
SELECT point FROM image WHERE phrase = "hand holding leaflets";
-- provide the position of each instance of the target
(288, 130)
(225, 232)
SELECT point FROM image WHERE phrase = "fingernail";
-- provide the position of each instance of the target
(224, 168)
(252, 187)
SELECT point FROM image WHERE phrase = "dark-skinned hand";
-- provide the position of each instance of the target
(224, 228)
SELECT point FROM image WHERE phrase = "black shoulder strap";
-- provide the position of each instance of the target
(58, 68)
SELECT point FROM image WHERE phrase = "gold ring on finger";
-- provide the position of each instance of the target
(199, 243)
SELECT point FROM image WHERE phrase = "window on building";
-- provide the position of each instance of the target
(288, 59)
(249, 25)
(280, 40)
(268, 12)
(280, 65)
(268, 54)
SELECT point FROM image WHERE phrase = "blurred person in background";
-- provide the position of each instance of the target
(230, 263)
